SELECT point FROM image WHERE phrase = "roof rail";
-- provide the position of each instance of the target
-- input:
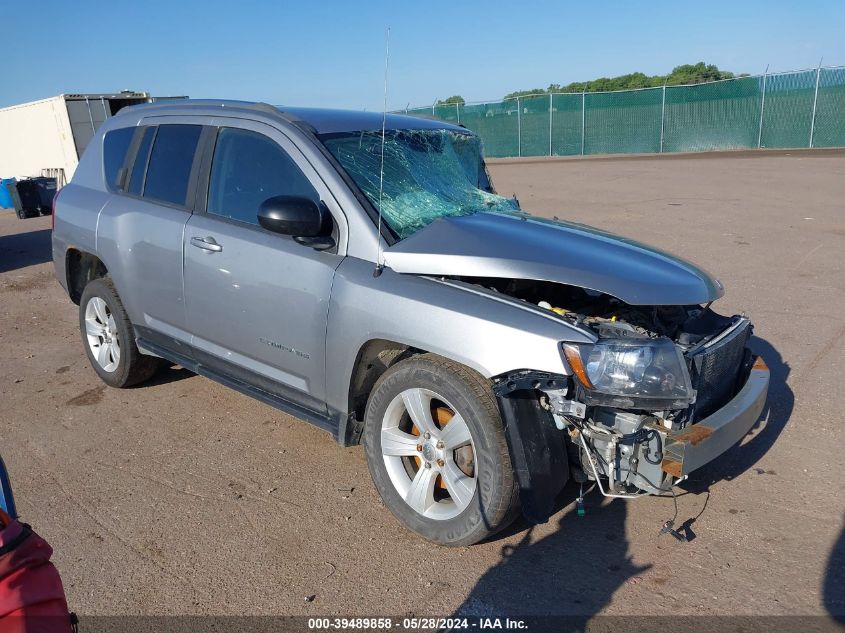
(220, 103)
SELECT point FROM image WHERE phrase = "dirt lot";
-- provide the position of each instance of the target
(184, 497)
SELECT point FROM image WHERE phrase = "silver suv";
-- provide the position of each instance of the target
(370, 281)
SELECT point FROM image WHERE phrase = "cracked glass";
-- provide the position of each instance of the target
(428, 174)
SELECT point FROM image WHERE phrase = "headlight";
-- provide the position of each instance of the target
(632, 373)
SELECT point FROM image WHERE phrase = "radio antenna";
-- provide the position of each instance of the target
(379, 263)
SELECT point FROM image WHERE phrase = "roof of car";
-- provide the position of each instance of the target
(329, 121)
(322, 120)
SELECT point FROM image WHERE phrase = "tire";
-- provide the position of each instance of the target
(463, 496)
(116, 358)
(25, 214)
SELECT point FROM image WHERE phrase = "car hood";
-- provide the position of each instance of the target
(521, 246)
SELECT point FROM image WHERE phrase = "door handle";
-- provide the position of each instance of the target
(207, 244)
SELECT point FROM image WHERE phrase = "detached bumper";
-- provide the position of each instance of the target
(694, 446)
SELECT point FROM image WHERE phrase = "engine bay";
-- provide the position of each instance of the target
(686, 361)
(609, 317)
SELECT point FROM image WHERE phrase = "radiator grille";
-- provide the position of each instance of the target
(715, 370)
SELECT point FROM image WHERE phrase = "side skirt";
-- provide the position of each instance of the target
(329, 423)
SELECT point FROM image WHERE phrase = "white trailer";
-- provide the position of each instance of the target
(47, 137)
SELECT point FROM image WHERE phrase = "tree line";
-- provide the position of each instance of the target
(684, 74)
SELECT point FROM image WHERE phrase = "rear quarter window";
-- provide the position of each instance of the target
(171, 162)
(115, 147)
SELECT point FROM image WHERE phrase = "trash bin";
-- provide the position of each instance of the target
(25, 198)
(46, 190)
(5, 196)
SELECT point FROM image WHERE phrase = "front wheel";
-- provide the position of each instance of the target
(437, 453)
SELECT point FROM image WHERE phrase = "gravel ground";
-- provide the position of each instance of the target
(182, 497)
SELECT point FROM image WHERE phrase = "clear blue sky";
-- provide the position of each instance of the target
(331, 53)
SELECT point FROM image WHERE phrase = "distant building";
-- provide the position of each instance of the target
(47, 137)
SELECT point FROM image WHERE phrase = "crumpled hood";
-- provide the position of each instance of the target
(520, 246)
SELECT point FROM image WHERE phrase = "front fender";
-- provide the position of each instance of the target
(490, 336)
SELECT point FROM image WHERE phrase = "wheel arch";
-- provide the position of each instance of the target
(81, 267)
(374, 357)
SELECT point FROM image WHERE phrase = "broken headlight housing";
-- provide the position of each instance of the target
(632, 373)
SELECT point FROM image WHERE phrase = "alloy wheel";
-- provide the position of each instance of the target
(429, 454)
(101, 333)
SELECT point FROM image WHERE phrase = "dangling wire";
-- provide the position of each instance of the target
(379, 263)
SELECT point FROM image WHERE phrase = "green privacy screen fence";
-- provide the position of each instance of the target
(779, 110)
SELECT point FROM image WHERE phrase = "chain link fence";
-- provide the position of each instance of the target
(778, 110)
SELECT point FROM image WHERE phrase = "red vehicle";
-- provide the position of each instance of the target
(32, 599)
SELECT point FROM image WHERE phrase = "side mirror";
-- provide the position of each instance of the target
(292, 215)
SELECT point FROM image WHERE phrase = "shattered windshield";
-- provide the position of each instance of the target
(428, 174)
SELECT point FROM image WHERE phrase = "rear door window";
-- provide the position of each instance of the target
(115, 147)
(171, 163)
(248, 168)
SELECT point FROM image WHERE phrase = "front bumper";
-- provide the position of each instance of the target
(690, 448)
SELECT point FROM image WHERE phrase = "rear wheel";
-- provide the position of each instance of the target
(109, 339)
(437, 453)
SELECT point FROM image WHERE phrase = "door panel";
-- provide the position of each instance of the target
(259, 304)
(141, 243)
(140, 233)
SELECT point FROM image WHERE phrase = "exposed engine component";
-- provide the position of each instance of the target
(653, 370)
(560, 406)
(628, 448)
(610, 317)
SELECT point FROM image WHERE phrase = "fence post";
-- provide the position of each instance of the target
(662, 118)
(550, 123)
(458, 111)
(815, 101)
(518, 128)
(583, 118)
(762, 109)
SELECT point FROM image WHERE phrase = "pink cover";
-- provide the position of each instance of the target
(10, 533)
(32, 599)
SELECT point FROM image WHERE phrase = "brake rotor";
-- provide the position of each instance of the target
(442, 415)
(415, 431)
